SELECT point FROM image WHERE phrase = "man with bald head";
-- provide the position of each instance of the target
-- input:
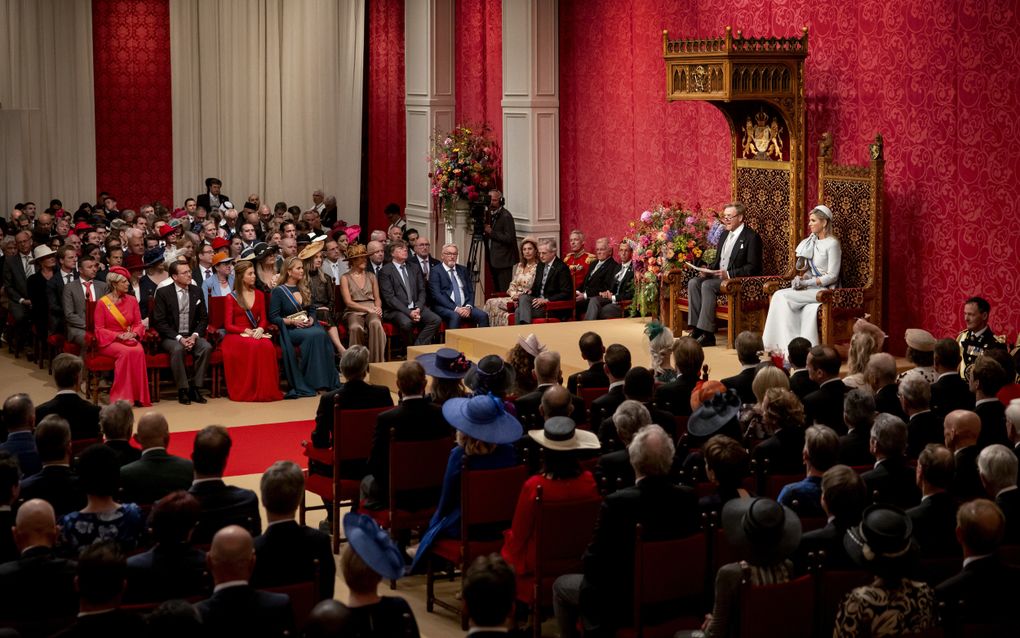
(962, 429)
(236, 608)
(376, 256)
(38, 585)
(156, 473)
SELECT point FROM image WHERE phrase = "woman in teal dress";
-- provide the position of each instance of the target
(316, 369)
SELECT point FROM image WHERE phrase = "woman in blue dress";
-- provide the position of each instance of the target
(290, 308)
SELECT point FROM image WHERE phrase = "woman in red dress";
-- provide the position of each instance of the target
(118, 332)
(249, 358)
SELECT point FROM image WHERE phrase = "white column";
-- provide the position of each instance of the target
(531, 115)
(429, 100)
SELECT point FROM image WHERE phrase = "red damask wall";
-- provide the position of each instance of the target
(387, 130)
(131, 57)
(479, 64)
(937, 78)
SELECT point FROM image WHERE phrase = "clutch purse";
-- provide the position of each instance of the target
(299, 317)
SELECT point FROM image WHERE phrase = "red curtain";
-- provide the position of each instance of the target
(387, 130)
(131, 57)
(479, 64)
(932, 77)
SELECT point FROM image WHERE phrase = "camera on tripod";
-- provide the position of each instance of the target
(477, 213)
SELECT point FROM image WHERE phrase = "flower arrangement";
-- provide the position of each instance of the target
(463, 165)
(663, 238)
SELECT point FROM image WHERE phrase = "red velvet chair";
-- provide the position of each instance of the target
(785, 609)
(95, 364)
(303, 597)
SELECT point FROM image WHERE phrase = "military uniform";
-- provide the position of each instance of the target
(973, 344)
(579, 263)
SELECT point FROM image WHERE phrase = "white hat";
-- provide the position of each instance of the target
(42, 252)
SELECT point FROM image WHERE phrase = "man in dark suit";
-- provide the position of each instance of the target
(675, 396)
(600, 275)
(75, 298)
(552, 283)
(353, 394)
(489, 594)
(548, 375)
(101, 575)
(935, 518)
(222, 504)
(156, 473)
(858, 414)
(800, 380)
(923, 427)
(892, 481)
(606, 305)
(286, 552)
(617, 366)
(987, 378)
(55, 482)
(824, 406)
(236, 608)
(594, 353)
(881, 375)
(65, 275)
(376, 257)
(638, 385)
(424, 261)
(10, 479)
(739, 255)
(961, 430)
(664, 511)
(501, 234)
(212, 198)
(19, 422)
(404, 300)
(116, 420)
(949, 392)
(997, 466)
(986, 587)
(17, 269)
(844, 498)
(415, 419)
(748, 345)
(614, 470)
(181, 319)
(173, 568)
(81, 414)
(453, 292)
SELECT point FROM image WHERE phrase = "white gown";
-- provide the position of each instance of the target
(794, 313)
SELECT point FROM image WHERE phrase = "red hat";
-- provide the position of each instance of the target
(166, 229)
(133, 262)
(122, 271)
(83, 227)
(219, 243)
(179, 213)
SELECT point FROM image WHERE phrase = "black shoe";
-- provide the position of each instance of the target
(182, 397)
(196, 395)
(706, 339)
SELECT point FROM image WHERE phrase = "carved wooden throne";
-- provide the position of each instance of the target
(758, 85)
(854, 194)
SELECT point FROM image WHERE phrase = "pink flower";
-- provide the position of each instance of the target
(646, 216)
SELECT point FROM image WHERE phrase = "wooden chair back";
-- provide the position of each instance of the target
(415, 466)
(562, 532)
(303, 596)
(667, 571)
(777, 610)
(833, 586)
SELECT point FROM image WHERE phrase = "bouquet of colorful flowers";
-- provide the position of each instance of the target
(463, 164)
(663, 238)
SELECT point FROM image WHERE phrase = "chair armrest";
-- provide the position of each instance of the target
(320, 455)
(773, 286)
(731, 286)
(825, 295)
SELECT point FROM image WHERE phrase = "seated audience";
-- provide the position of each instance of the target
(523, 278)
(824, 406)
(119, 331)
(985, 591)
(1011, 389)
(547, 374)
(844, 498)
(287, 553)
(492, 376)
(783, 415)
(638, 385)
(862, 346)
(102, 518)
(717, 414)
(235, 607)
(1013, 424)
(222, 504)
(55, 483)
(453, 291)
(75, 298)
(9, 490)
(369, 557)
(997, 466)
(174, 618)
(986, 379)
(447, 368)
(893, 604)
(614, 470)
(663, 510)
(752, 422)
(522, 360)
(353, 394)
(921, 353)
(156, 473)
(593, 352)
(821, 449)
(82, 415)
(608, 303)
(617, 367)
(660, 350)
(489, 593)
(748, 345)
(552, 283)
(962, 429)
(116, 421)
(934, 519)
(858, 415)
(727, 465)
(923, 427)
(592, 273)
(950, 391)
(38, 587)
(765, 535)
(362, 313)
(100, 581)
(174, 567)
(881, 376)
(800, 378)
(19, 421)
(675, 396)
(892, 481)
(561, 478)
(249, 356)
(404, 298)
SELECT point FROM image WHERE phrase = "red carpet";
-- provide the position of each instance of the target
(255, 447)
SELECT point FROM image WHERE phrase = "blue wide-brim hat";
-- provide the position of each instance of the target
(445, 363)
(483, 417)
(153, 256)
(373, 545)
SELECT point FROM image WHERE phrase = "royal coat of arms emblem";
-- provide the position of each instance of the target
(762, 140)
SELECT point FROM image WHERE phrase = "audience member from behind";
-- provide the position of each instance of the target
(892, 604)
(489, 593)
(675, 396)
(117, 420)
(55, 483)
(985, 591)
(617, 366)
(594, 354)
(920, 352)
(858, 415)
(949, 391)
(156, 473)
(961, 429)
(783, 415)
(235, 607)
(749, 347)
(986, 379)
(287, 552)
(548, 374)
(717, 415)
(821, 449)
(727, 465)
(522, 359)
(638, 385)
(102, 518)
(881, 376)
(892, 481)
(9, 491)
(174, 618)
(935, 518)
(997, 466)
(174, 567)
(800, 380)
(844, 498)
(19, 421)
(1013, 424)
(923, 427)
(824, 406)
(369, 557)
(328, 619)
(614, 470)
(101, 575)
(82, 415)
(492, 376)
(751, 419)
(222, 504)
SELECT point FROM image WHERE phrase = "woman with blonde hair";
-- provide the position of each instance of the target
(249, 358)
(523, 278)
(867, 339)
(752, 422)
(660, 347)
(119, 331)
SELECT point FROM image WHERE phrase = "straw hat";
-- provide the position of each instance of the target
(311, 250)
(357, 251)
(920, 340)
(560, 433)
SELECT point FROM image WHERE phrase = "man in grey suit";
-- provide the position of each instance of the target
(502, 245)
(403, 296)
(17, 269)
(66, 273)
(75, 297)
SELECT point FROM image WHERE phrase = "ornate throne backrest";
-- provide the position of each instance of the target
(766, 194)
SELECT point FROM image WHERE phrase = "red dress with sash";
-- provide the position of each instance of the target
(129, 379)
(249, 365)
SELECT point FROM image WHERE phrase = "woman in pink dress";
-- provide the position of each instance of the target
(249, 358)
(118, 332)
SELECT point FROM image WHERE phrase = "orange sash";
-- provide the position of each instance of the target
(115, 312)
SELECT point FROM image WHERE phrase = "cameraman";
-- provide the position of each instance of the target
(502, 244)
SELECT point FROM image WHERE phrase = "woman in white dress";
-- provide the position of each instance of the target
(794, 310)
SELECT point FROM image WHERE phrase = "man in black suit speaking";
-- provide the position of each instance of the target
(180, 318)
(552, 283)
(739, 256)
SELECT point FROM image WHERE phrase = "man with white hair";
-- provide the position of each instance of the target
(598, 276)
(614, 470)
(606, 305)
(997, 466)
(451, 290)
(922, 425)
(892, 481)
(552, 283)
(1013, 424)
(578, 260)
(881, 375)
(318, 201)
